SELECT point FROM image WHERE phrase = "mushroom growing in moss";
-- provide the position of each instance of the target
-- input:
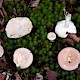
(69, 58)
(18, 27)
(23, 58)
(65, 26)
(51, 36)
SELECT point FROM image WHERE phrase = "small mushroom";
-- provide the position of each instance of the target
(65, 26)
(18, 27)
(1, 51)
(51, 36)
(39, 76)
(22, 58)
(69, 58)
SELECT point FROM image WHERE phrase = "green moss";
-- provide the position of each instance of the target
(44, 19)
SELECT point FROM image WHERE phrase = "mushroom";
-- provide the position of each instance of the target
(65, 26)
(51, 36)
(18, 27)
(1, 51)
(22, 58)
(39, 76)
(69, 58)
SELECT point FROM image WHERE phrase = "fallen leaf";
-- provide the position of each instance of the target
(2, 21)
(50, 75)
(1, 13)
(3, 62)
(78, 70)
(34, 3)
(7, 77)
(1, 2)
(17, 76)
(61, 1)
(31, 76)
(13, 16)
(12, 0)
(1, 42)
(2, 76)
(4, 11)
(69, 41)
(74, 37)
(2, 30)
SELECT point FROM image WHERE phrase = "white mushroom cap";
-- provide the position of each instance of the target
(69, 58)
(51, 36)
(18, 27)
(23, 58)
(1, 51)
(62, 31)
(65, 26)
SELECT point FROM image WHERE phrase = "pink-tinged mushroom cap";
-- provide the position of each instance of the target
(22, 58)
(1, 51)
(69, 58)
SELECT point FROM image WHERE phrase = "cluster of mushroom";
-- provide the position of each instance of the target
(22, 57)
(63, 28)
(68, 58)
(17, 28)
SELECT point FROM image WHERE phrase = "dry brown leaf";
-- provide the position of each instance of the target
(61, 1)
(12, 0)
(34, 3)
(1, 13)
(4, 11)
(13, 16)
(74, 37)
(1, 42)
(1, 2)
(2, 21)
(78, 70)
(69, 41)
(1, 76)
(3, 62)
(50, 75)
(2, 30)
(17, 76)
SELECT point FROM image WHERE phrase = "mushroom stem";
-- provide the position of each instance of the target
(68, 18)
(69, 58)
